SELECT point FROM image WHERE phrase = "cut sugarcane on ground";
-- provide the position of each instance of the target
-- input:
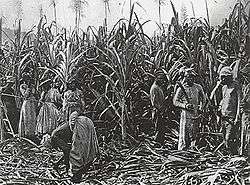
(22, 162)
(116, 70)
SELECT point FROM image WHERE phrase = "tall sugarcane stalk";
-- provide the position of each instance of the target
(130, 5)
(16, 60)
(40, 11)
(106, 9)
(55, 15)
(77, 7)
(53, 3)
(193, 11)
(1, 27)
(159, 12)
(1, 121)
(248, 36)
(207, 11)
(239, 21)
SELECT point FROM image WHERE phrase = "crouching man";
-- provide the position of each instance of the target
(80, 131)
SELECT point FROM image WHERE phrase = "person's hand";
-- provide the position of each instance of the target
(219, 110)
(236, 120)
(218, 83)
(200, 109)
(189, 106)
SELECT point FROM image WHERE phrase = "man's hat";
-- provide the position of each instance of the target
(226, 71)
(10, 79)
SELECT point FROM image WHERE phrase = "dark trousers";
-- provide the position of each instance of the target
(230, 136)
(61, 137)
(159, 126)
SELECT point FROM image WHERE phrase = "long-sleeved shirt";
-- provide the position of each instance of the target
(230, 99)
(193, 95)
(73, 101)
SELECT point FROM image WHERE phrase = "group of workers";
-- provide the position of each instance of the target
(55, 116)
(60, 115)
(189, 97)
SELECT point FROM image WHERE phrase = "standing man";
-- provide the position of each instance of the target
(229, 107)
(190, 98)
(157, 101)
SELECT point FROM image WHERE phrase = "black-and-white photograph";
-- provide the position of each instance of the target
(124, 92)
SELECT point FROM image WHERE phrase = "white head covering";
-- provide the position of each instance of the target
(226, 71)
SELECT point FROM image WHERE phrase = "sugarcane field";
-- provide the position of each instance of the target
(115, 104)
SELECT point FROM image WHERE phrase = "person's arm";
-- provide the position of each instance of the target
(202, 98)
(41, 99)
(152, 97)
(65, 97)
(177, 100)
(239, 97)
(214, 90)
(58, 99)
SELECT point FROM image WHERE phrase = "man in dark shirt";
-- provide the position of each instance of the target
(157, 101)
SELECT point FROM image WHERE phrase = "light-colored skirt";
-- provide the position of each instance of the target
(27, 122)
(47, 119)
